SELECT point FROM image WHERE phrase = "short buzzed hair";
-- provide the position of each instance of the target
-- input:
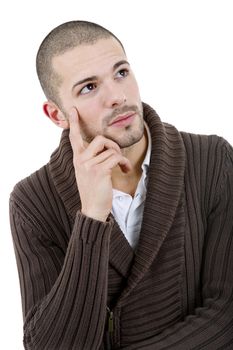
(61, 39)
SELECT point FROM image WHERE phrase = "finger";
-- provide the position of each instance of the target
(102, 157)
(100, 144)
(115, 160)
(125, 166)
(123, 162)
(75, 133)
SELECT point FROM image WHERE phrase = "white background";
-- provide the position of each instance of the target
(181, 53)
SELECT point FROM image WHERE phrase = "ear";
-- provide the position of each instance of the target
(52, 111)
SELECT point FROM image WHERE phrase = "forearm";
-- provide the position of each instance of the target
(72, 314)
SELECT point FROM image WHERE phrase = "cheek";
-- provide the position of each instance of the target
(89, 110)
(133, 88)
(89, 118)
(86, 113)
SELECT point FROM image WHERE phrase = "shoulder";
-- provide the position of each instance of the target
(205, 147)
(209, 165)
(35, 199)
(27, 190)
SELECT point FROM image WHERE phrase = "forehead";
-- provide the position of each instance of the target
(87, 59)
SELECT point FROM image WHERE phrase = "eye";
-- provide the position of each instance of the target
(122, 73)
(88, 88)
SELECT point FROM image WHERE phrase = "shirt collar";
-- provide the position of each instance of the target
(146, 161)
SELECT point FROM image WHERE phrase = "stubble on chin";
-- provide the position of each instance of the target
(130, 136)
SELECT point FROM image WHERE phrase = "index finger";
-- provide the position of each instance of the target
(75, 133)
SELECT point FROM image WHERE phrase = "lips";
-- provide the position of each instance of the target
(122, 118)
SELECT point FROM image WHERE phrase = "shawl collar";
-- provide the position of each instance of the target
(164, 190)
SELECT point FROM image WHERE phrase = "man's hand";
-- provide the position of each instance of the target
(93, 170)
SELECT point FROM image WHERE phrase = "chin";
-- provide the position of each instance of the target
(130, 140)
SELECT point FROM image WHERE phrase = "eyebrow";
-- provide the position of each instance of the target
(94, 77)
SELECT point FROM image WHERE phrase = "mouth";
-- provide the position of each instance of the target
(124, 119)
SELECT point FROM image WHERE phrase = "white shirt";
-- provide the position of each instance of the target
(128, 210)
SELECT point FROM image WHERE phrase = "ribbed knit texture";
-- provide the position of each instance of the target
(175, 292)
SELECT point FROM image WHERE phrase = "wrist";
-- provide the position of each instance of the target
(95, 215)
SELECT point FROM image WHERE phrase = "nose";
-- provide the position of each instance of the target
(114, 95)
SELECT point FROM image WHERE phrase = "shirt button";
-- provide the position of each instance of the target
(120, 198)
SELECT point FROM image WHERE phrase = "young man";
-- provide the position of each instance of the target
(124, 240)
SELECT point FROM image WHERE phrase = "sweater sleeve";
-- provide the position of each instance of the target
(211, 325)
(66, 291)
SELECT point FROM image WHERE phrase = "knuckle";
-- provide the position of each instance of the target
(100, 138)
(112, 152)
(117, 156)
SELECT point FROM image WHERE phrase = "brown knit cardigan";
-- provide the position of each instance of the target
(82, 285)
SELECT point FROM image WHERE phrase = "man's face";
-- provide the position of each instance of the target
(98, 81)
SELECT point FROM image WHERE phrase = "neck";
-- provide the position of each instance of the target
(136, 154)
